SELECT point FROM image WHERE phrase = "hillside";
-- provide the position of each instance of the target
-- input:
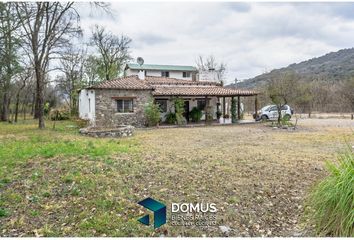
(333, 66)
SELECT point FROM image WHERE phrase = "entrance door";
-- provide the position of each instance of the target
(186, 110)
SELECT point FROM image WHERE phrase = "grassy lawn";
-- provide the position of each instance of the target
(58, 183)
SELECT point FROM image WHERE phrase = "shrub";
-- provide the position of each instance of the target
(59, 114)
(233, 110)
(196, 114)
(179, 110)
(171, 118)
(331, 201)
(152, 113)
(218, 114)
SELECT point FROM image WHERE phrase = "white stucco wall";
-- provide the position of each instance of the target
(87, 105)
(157, 73)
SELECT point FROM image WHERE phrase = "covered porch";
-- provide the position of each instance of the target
(213, 101)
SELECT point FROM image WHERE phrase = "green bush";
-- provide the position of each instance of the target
(170, 118)
(152, 113)
(179, 110)
(233, 110)
(331, 203)
(196, 114)
(59, 114)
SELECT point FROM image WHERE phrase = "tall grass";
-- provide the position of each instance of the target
(331, 202)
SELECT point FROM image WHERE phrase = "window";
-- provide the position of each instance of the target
(165, 74)
(163, 104)
(186, 74)
(274, 108)
(285, 107)
(125, 105)
(201, 104)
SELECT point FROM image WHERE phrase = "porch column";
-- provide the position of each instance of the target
(206, 109)
(256, 106)
(238, 108)
(223, 108)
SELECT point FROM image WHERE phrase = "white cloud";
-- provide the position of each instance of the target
(250, 38)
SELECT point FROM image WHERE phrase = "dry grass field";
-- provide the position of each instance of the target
(58, 183)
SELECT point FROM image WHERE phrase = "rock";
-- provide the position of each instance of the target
(225, 230)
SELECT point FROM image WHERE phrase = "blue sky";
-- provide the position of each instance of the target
(251, 38)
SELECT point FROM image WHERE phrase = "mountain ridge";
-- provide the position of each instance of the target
(333, 66)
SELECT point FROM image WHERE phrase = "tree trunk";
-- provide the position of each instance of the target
(16, 106)
(279, 116)
(36, 105)
(4, 108)
(39, 97)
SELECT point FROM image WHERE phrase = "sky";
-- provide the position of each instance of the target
(251, 38)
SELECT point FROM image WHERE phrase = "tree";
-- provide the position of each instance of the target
(72, 65)
(22, 79)
(348, 92)
(114, 52)
(280, 90)
(47, 27)
(206, 63)
(9, 42)
(91, 68)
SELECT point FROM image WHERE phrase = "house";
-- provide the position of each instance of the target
(122, 101)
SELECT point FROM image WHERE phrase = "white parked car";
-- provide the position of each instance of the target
(270, 112)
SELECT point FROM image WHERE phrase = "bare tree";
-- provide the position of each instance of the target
(114, 52)
(21, 81)
(207, 63)
(47, 28)
(91, 68)
(280, 91)
(72, 66)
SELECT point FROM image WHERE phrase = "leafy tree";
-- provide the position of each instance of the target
(114, 52)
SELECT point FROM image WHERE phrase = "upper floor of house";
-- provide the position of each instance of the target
(170, 71)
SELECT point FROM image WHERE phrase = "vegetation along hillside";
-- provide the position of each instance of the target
(326, 82)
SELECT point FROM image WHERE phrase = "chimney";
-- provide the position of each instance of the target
(141, 75)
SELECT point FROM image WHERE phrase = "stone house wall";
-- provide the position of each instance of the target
(106, 107)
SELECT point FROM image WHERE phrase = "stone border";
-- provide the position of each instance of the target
(119, 132)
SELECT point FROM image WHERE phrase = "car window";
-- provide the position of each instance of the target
(284, 107)
(274, 108)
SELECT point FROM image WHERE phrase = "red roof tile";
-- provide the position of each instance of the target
(163, 86)
(200, 91)
(130, 82)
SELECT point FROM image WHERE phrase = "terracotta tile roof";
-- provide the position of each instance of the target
(163, 86)
(130, 82)
(200, 91)
(175, 81)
